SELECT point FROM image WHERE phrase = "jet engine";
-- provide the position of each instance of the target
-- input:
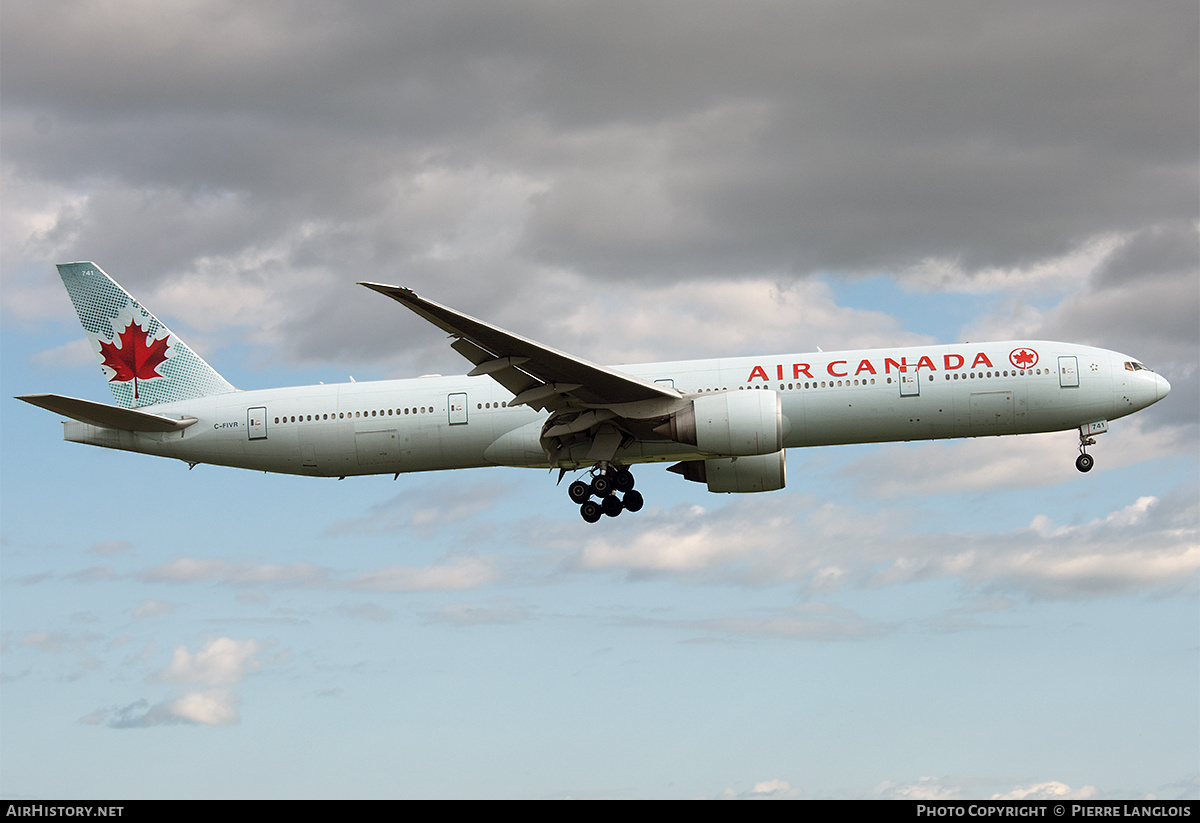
(730, 423)
(751, 473)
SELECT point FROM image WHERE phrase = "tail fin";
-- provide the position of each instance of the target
(142, 360)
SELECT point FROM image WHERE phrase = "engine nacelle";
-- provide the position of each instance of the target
(750, 473)
(733, 423)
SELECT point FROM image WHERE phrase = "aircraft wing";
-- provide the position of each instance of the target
(537, 375)
(109, 417)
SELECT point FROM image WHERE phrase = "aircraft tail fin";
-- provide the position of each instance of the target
(142, 360)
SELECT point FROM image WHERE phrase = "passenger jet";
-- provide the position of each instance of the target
(723, 422)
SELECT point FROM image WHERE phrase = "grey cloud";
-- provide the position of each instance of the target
(649, 145)
(1168, 249)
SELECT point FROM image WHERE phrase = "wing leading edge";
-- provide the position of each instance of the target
(537, 375)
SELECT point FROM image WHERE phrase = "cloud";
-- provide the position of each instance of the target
(221, 662)
(806, 621)
(56, 642)
(989, 464)
(1148, 545)
(152, 608)
(191, 570)
(1057, 273)
(774, 789)
(463, 614)
(366, 611)
(211, 707)
(453, 573)
(458, 573)
(427, 508)
(1052, 790)
(93, 573)
(925, 788)
(510, 180)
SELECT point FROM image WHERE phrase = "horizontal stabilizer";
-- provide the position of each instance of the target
(110, 417)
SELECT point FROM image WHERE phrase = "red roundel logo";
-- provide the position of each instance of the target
(1023, 358)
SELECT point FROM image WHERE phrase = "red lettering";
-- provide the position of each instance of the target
(800, 369)
(889, 362)
(829, 368)
(948, 362)
(982, 358)
(925, 362)
(758, 372)
(779, 370)
(864, 366)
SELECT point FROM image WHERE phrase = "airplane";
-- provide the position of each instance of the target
(723, 422)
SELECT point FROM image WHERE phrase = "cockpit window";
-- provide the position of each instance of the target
(1131, 365)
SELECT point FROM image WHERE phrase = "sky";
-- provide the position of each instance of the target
(629, 182)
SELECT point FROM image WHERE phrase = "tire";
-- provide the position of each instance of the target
(579, 491)
(623, 480)
(633, 501)
(590, 511)
(612, 505)
(1085, 462)
(602, 485)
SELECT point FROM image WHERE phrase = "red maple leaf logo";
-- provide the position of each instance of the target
(1023, 358)
(137, 358)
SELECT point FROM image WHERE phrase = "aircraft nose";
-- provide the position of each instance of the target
(1161, 387)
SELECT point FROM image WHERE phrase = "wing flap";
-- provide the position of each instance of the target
(109, 417)
(509, 376)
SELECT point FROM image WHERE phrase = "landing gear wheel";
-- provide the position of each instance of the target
(591, 511)
(1085, 462)
(633, 501)
(611, 505)
(579, 491)
(602, 484)
(623, 480)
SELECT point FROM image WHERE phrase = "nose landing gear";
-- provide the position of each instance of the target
(607, 480)
(1085, 461)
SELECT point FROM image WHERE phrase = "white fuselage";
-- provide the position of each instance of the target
(433, 423)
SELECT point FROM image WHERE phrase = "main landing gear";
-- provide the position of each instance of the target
(607, 480)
